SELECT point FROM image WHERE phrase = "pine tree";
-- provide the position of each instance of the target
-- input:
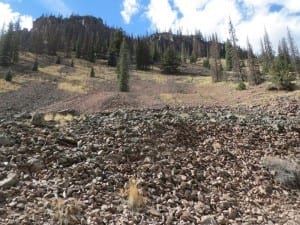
(123, 67)
(92, 73)
(193, 58)
(7, 46)
(58, 60)
(143, 56)
(235, 52)
(114, 48)
(215, 64)
(254, 73)
(112, 59)
(155, 55)
(35, 65)
(283, 50)
(78, 48)
(205, 63)
(281, 77)
(228, 55)
(9, 76)
(92, 55)
(170, 62)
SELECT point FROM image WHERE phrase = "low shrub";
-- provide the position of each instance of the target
(241, 86)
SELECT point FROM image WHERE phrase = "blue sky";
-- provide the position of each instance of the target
(109, 11)
(250, 17)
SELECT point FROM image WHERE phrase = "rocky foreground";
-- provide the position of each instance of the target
(191, 165)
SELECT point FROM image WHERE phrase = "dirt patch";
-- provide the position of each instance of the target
(56, 87)
(30, 97)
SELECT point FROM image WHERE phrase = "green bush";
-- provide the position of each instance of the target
(92, 73)
(9, 76)
(193, 58)
(206, 63)
(58, 60)
(281, 76)
(283, 80)
(35, 65)
(241, 86)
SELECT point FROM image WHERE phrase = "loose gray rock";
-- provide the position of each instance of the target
(208, 220)
(10, 180)
(38, 119)
(35, 164)
(6, 141)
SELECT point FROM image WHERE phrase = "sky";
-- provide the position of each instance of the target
(138, 17)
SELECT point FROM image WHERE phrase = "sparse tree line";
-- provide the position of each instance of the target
(281, 69)
(89, 38)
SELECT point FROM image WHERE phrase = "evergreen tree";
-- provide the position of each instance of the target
(114, 48)
(155, 55)
(143, 56)
(170, 62)
(112, 59)
(193, 58)
(9, 76)
(123, 67)
(58, 60)
(206, 63)
(92, 73)
(78, 48)
(281, 77)
(254, 73)
(228, 55)
(283, 50)
(92, 55)
(7, 46)
(35, 65)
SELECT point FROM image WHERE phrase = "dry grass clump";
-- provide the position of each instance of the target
(67, 211)
(287, 172)
(135, 197)
(8, 86)
(58, 118)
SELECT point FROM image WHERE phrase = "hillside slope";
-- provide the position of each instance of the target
(193, 165)
(57, 87)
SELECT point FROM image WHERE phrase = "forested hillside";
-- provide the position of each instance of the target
(87, 37)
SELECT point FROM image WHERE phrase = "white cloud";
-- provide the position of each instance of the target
(130, 8)
(161, 15)
(57, 6)
(250, 18)
(8, 15)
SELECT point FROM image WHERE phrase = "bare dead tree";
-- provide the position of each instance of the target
(235, 54)
(215, 61)
(294, 52)
(254, 76)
